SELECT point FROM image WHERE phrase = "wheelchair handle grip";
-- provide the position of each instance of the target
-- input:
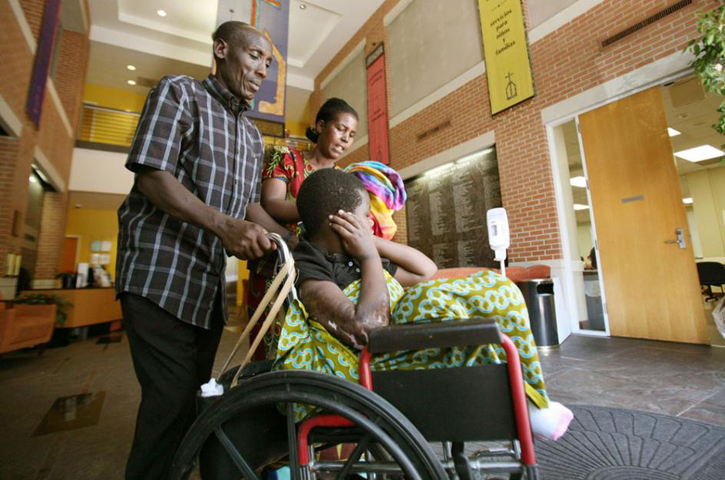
(283, 254)
(475, 331)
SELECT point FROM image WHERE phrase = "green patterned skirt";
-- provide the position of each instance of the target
(304, 344)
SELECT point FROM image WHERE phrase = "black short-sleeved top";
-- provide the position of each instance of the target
(198, 132)
(315, 263)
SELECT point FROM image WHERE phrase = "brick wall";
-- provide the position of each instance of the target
(33, 10)
(565, 63)
(70, 73)
(51, 136)
(8, 155)
(52, 231)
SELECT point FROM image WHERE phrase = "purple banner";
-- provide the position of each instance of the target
(43, 54)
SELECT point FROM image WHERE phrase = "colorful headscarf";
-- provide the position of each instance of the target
(387, 194)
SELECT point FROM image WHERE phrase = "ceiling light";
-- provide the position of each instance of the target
(672, 132)
(131, 82)
(687, 201)
(32, 179)
(131, 67)
(580, 182)
(303, 6)
(698, 154)
(578, 206)
(161, 13)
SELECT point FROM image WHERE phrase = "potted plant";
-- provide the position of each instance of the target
(709, 51)
(47, 299)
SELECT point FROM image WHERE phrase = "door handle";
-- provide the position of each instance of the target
(680, 240)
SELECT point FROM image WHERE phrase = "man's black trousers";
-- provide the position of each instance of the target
(171, 359)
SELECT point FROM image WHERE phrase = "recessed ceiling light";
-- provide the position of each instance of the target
(131, 82)
(303, 6)
(161, 13)
(698, 154)
(131, 67)
(672, 132)
(578, 206)
(580, 182)
(687, 201)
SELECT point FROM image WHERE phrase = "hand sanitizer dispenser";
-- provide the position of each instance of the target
(498, 234)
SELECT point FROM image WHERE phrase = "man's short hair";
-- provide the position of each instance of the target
(326, 192)
(233, 32)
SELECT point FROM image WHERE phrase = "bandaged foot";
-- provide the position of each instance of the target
(550, 423)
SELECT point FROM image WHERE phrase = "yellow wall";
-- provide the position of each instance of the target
(707, 189)
(92, 225)
(113, 98)
(297, 126)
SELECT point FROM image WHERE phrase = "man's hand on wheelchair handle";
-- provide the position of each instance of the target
(245, 240)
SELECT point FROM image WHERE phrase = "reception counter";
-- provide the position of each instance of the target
(91, 306)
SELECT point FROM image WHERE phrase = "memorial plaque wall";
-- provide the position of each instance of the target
(446, 211)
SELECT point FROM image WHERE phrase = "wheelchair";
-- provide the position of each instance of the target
(392, 420)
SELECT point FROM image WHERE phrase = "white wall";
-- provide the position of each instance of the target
(542, 10)
(99, 171)
(584, 236)
(431, 44)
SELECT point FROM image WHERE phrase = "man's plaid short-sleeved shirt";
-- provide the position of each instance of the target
(197, 132)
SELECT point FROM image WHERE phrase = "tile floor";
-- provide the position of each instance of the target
(674, 379)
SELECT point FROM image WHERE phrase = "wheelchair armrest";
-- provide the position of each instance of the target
(434, 335)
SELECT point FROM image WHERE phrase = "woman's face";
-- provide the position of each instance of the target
(336, 136)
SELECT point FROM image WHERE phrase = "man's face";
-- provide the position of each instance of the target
(244, 66)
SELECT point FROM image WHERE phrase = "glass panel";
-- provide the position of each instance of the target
(586, 274)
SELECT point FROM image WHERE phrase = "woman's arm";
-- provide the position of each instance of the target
(274, 200)
(413, 266)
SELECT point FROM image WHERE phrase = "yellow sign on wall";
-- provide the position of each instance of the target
(507, 57)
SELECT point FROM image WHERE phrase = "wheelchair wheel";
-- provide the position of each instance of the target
(381, 427)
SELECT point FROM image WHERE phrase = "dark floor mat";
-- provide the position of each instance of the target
(616, 444)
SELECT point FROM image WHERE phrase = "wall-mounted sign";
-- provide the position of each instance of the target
(505, 50)
(272, 18)
(377, 107)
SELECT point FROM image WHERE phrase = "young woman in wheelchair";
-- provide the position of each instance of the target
(351, 282)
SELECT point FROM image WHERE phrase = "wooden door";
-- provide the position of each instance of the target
(650, 283)
(68, 260)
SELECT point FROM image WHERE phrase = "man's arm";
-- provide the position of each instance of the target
(243, 239)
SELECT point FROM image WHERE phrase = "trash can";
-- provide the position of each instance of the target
(539, 298)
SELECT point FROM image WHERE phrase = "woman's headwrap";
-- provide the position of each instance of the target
(387, 194)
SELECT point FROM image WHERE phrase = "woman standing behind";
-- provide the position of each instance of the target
(333, 134)
(284, 172)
